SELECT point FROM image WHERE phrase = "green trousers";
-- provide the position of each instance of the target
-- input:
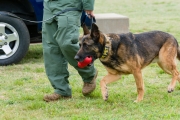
(60, 44)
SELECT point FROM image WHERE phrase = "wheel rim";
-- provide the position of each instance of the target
(9, 40)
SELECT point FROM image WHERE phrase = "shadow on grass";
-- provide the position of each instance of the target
(34, 54)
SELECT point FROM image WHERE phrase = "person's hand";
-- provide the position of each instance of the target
(90, 13)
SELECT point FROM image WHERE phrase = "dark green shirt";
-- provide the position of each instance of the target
(80, 4)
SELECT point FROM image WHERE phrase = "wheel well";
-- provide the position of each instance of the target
(23, 9)
(18, 7)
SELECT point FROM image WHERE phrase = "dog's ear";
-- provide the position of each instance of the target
(85, 29)
(95, 33)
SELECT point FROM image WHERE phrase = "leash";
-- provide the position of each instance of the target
(61, 12)
(93, 20)
(87, 19)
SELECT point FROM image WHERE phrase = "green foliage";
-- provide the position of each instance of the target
(23, 86)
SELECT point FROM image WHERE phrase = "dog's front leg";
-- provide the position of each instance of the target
(106, 80)
(139, 84)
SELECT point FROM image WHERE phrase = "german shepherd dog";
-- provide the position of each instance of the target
(129, 54)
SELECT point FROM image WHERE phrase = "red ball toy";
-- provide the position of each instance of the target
(85, 62)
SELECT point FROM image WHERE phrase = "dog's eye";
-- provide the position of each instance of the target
(86, 45)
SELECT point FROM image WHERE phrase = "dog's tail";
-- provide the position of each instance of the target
(178, 53)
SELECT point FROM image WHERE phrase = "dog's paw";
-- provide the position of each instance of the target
(105, 97)
(138, 100)
(170, 89)
(105, 94)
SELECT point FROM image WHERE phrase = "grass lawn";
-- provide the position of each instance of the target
(23, 86)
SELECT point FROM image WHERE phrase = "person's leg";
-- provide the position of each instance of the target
(55, 62)
(67, 36)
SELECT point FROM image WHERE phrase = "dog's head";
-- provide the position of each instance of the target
(91, 44)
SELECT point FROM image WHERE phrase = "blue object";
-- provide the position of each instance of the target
(88, 21)
(38, 9)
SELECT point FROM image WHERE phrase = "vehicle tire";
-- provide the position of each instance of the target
(14, 40)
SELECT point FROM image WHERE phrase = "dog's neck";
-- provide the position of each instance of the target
(105, 48)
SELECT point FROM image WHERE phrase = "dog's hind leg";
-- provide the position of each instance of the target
(173, 81)
(106, 80)
(139, 84)
(170, 68)
(167, 61)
